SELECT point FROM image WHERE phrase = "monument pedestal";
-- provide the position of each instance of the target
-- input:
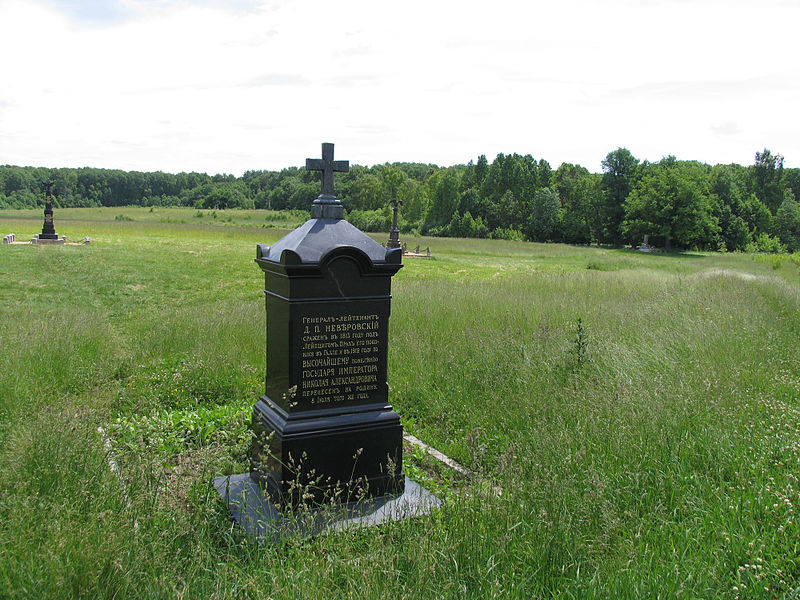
(260, 517)
(52, 241)
(328, 454)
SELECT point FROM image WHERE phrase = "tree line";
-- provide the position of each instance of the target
(679, 204)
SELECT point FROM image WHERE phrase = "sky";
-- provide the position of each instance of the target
(229, 86)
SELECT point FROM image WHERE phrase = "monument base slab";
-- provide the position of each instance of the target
(260, 517)
(345, 448)
(44, 241)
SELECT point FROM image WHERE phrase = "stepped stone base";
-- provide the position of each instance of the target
(260, 517)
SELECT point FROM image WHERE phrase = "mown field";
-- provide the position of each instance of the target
(639, 413)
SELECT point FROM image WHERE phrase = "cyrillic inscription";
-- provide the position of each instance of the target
(339, 357)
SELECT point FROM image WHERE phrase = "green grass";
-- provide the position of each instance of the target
(76, 223)
(652, 453)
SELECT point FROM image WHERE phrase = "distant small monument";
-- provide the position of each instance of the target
(48, 235)
(394, 234)
(645, 247)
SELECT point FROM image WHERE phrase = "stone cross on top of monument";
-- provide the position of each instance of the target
(327, 205)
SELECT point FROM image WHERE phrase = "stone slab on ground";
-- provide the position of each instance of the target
(259, 516)
(40, 243)
(45, 242)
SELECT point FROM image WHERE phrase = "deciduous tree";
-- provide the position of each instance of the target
(545, 215)
(619, 177)
(671, 201)
(787, 222)
(768, 179)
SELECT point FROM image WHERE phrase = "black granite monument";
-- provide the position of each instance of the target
(325, 428)
(48, 235)
(49, 228)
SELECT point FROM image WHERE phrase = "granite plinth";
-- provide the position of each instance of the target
(343, 448)
(44, 241)
(260, 517)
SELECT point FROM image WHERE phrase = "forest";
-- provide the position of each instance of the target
(680, 204)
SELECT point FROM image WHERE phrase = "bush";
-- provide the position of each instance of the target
(466, 226)
(765, 243)
(509, 233)
(220, 196)
(378, 220)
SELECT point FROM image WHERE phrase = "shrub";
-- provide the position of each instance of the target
(765, 243)
(466, 226)
(509, 233)
(371, 220)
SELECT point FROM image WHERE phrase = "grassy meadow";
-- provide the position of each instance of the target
(639, 413)
(148, 221)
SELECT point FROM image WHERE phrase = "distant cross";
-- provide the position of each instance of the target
(394, 234)
(327, 165)
(395, 203)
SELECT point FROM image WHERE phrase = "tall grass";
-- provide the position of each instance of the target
(650, 451)
(65, 217)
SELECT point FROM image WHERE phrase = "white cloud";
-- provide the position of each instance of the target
(222, 87)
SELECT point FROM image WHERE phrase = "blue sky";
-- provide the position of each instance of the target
(229, 86)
